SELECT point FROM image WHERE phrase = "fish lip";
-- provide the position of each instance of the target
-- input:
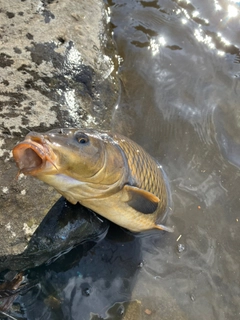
(40, 156)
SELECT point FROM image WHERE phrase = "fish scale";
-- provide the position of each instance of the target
(143, 168)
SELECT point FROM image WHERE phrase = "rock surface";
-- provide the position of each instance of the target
(53, 73)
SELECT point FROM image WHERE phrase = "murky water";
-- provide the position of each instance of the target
(179, 68)
(180, 100)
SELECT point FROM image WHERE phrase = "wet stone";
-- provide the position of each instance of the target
(10, 15)
(5, 82)
(17, 50)
(48, 16)
(29, 36)
(5, 60)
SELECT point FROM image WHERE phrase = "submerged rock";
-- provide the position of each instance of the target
(54, 73)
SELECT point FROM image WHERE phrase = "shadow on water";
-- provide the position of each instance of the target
(86, 281)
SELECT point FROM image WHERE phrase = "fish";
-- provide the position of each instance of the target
(102, 170)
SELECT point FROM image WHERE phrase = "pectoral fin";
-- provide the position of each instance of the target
(140, 200)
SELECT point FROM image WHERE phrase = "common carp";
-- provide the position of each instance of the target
(104, 171)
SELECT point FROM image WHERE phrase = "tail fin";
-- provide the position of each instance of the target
(165, 228)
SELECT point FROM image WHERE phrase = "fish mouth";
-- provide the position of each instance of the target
(33, 156)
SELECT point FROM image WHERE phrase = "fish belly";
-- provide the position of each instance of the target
(119, 212)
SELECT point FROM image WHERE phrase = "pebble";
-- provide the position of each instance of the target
(180, 247)
(148, 311)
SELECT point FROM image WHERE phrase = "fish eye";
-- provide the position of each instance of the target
(81, 137)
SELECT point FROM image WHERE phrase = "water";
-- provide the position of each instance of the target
(85, 282)
(180, 100)
(179, 69)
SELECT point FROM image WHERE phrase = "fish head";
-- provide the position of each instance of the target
(81, 154)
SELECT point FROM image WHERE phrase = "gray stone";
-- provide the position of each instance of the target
(53, 73)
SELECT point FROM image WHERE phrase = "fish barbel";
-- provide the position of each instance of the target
(103, 171)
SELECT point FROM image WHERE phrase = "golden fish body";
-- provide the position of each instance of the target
(105, 172)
